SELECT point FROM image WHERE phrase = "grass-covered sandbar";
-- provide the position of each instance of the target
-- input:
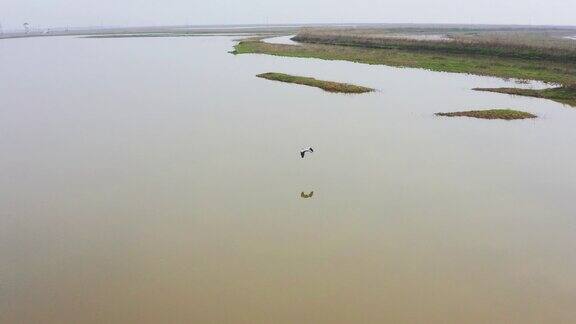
(505, 114)
(329, 86)
(565, 95)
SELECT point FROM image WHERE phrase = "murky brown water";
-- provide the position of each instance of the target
(157, 180)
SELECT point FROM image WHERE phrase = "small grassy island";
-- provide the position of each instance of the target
(324, 85)
(565, 95)
(506, 114)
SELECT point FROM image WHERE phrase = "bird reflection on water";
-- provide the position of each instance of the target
(305, 195)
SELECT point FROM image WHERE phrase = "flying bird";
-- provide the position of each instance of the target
(308, 150)
(306, 196)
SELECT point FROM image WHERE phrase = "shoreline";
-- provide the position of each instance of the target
(562, 75)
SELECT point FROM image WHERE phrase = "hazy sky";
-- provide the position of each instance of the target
(149, 12)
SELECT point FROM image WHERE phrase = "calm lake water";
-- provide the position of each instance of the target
(157, 180)
(287, 40)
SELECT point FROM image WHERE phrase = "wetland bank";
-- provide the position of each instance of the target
(142, 183)
(507, 53)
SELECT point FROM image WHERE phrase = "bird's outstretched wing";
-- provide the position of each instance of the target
(302, 154)
(312, 150)
(306, 196)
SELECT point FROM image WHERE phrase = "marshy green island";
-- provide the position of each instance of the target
(328, 86)
(565, 94)
(505, 114)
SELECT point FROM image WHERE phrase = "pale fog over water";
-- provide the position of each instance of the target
(157, 180)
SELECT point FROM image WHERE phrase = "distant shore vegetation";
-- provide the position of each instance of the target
(522, 55)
